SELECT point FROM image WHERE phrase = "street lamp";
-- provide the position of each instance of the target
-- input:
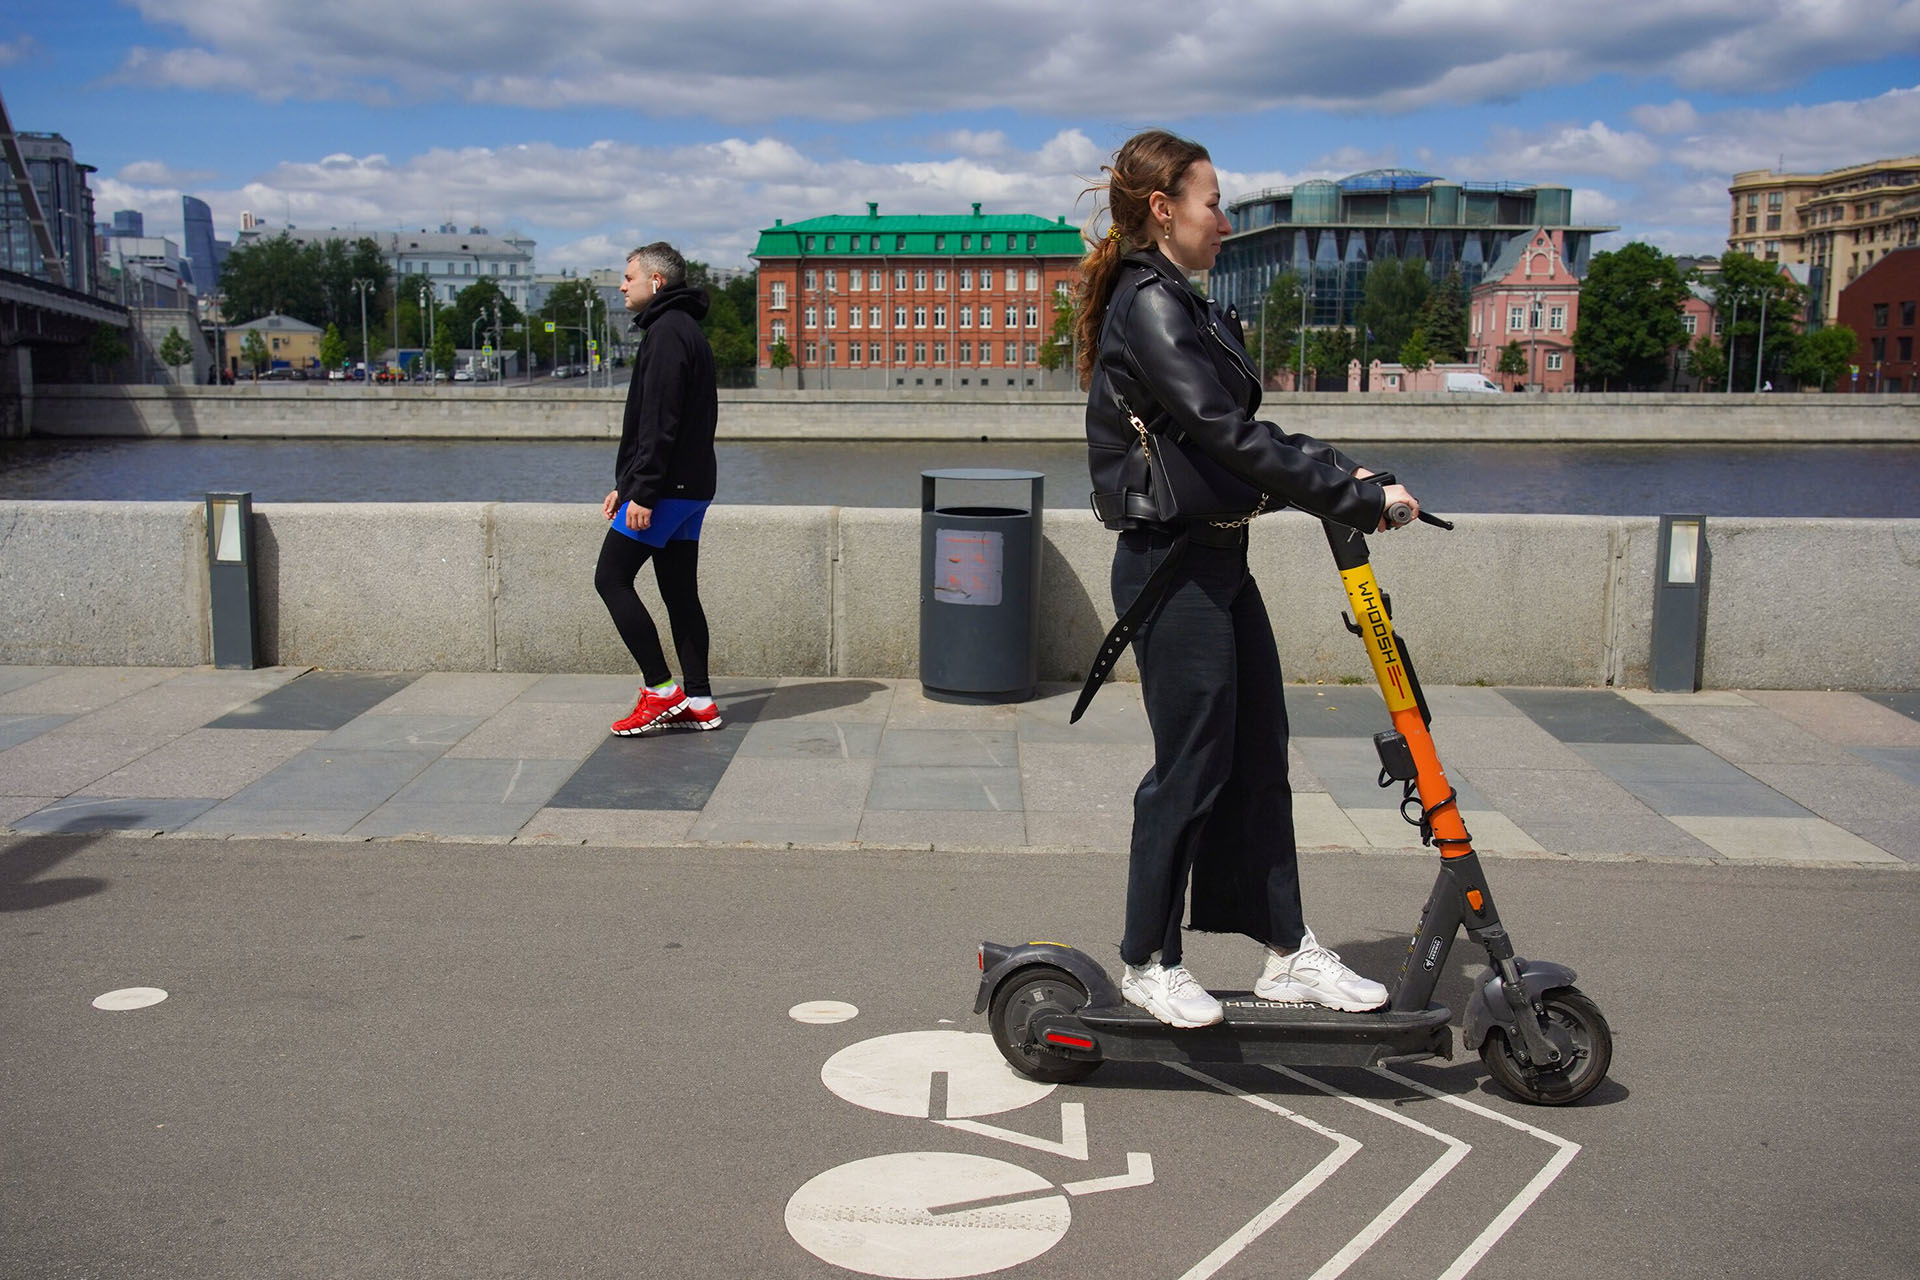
(586, 334)
(366, 369)
(1730, 341)
(1760, 352)
(1301, 378)
(426, 339)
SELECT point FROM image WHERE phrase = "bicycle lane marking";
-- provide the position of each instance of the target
(1567, 1149)
(1345, 1148)
(1389, 1217)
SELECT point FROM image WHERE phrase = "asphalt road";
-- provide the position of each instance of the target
(427, 1060)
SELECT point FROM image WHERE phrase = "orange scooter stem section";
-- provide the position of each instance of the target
(1396, 686)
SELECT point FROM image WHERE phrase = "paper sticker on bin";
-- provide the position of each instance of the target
(979, 583)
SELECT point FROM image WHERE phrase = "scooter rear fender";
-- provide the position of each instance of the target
(1489, 1007)
(1000, 962)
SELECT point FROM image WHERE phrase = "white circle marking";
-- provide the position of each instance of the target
(876, 1216)
(129, 998)
(822, 1012)
(894, 1075)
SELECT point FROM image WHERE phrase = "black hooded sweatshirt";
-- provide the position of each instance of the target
(666, 439)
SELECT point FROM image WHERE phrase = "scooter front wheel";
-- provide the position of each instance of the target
(1017, 1003)
(1570, 1016)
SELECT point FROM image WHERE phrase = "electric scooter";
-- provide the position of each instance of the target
(1056, 1015)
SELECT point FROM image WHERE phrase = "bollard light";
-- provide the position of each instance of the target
(230, 580)
(1679, 605)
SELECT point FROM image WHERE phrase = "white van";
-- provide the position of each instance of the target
(1472, 383)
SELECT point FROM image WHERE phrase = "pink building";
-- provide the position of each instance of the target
(1529, 295)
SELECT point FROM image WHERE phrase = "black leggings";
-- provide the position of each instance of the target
(676, 568)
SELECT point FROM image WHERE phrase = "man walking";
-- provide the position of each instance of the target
(663, 483)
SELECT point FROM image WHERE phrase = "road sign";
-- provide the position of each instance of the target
(592, 344)
(487, 350)
(549, 326)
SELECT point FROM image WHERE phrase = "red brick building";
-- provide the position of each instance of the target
(1880, 307)
(953, 301)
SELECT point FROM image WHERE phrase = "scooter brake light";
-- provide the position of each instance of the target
(1067, 1040)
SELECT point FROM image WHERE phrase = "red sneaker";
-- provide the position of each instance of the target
(652, 713)
(692, 717)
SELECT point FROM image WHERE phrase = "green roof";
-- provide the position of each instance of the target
(919, 233)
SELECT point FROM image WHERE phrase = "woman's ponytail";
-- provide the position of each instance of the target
(1152, 161)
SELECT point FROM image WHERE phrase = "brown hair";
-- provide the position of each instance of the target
(1151, 161)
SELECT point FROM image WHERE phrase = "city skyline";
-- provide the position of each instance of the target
(592, 125)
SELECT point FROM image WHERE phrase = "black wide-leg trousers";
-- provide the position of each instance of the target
(1216, 805)
(676, 569)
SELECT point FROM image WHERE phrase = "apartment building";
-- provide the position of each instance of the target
(960, 302)
(1836, 224)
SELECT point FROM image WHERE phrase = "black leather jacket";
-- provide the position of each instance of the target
(1181, 365)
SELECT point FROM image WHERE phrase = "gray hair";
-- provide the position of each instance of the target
(663, 260)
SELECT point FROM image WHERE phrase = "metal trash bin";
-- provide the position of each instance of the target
(979, 587)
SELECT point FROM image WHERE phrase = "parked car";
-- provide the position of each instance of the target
(562, 371)
(1471, 384)
(336, 375)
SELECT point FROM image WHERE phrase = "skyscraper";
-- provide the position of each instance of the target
(203, 251)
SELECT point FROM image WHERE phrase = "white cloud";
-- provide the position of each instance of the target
(18, 49)
(156, 173)
(588, 205)
(745, 60)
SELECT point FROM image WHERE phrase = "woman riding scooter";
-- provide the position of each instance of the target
(1171, 397)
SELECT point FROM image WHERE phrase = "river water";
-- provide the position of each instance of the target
(1717, 480)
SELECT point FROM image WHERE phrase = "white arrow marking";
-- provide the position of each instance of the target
(1344, 1150)
(1563, 1157)
(1073, 1133)
(1139, 1174)
(1387, 1218)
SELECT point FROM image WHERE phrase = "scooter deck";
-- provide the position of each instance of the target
(1257, 1031)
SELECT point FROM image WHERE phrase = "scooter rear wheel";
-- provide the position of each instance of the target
(1579, 1019)
(1018, 1001)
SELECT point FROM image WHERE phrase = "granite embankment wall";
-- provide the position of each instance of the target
(494, 411)
(816, 591)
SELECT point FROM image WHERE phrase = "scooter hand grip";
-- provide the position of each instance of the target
(1398, 514)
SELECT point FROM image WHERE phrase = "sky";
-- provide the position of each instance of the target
(599, 125)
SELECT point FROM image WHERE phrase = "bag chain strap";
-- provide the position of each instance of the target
(1147, 449)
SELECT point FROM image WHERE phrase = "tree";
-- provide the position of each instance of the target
(1390, 307)
(1630, 306)
(781, 358)
(1443, 318)
(444, 352)
(1273, 344)
(253, 350)
(1707, 362)
(412, 317)
(1822, 356)
(1057, 350)
(1331, 351)
(1414, 352)
(1742, 287)
(333, 349)
(175, 350)
(1513, 362)
(272, 274)
(566, 305)
(478, 302)
(107, 349)
(729, 323)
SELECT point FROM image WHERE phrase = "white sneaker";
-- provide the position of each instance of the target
(1172, 995)
(1314, 975)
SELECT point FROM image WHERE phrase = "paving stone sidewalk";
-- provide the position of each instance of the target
(1811, 777)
